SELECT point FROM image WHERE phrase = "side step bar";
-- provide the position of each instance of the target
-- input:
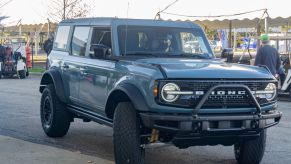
(93, 116)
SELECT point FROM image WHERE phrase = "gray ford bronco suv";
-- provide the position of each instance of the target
(155, 81)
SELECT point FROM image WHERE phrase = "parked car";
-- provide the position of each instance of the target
(12, 63)
(141, 78)
(192, 46)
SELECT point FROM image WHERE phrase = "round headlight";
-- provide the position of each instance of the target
(166, 92)
(271, 91)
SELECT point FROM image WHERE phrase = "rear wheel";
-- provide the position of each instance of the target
(251, 151)
(126, 135)
(22, 74)
(55, 118)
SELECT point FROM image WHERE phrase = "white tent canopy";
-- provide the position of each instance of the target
(244, 23)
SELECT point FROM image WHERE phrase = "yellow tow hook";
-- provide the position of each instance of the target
(154, 136)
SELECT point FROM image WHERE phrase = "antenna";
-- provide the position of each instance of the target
(5, 3)
(158, 15)
(19, 24)
(126, 26)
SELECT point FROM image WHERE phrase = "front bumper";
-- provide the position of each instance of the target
(210, 123)
(204, 130)
(214, 126)
(201, 121)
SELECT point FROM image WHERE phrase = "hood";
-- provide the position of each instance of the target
(193, 68)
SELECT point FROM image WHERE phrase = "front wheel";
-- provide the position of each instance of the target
(22, 74)
(55, 118)
(251, 151)
(126, 135)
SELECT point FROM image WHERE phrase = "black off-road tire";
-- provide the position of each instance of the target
(22, 74)
(55, 118)
(126, 135)
(251, 151)
(0, 74)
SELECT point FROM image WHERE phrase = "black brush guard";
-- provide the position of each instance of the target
(224, 123)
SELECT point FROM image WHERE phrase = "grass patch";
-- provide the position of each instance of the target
(36, 70)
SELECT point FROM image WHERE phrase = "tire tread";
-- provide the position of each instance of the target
(126, 135)
(61, 117)
(252, 151)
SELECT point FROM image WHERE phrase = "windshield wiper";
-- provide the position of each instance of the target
(194, 55)
(141, 54)
(149, 54)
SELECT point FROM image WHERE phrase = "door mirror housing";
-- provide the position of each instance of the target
(99, 51)
(227, 54)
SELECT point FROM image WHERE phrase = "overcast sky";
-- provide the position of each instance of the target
(35, 11)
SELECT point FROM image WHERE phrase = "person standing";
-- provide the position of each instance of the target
(48, 46)
(268, 56)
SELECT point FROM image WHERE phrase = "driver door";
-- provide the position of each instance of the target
(95, 70)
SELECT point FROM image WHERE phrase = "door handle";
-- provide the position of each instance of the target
(83, 72)
(66, 66)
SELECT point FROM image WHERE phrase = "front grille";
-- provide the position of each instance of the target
(218, 101)
(228, 100)
(206, 85)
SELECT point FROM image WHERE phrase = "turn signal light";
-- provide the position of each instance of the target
(156, 91)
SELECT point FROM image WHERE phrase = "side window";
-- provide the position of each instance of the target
(101, 39)
(62, 37)
(79, 41)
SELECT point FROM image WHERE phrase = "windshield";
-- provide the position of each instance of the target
(163, 41)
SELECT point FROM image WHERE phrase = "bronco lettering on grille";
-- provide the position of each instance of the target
(222, 93)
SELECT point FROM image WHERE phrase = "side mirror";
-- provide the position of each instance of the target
(227, 54)
(99, 51)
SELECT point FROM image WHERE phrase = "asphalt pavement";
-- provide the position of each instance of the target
(23, 141)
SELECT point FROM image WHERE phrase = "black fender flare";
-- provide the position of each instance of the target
(135, 96)
(53, 76)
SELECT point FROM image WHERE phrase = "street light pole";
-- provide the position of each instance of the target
(266, 25)
(19, 28)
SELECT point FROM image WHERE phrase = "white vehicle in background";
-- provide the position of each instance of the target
(19, 45)
(192, 47)
(13, 58)
(215, 45)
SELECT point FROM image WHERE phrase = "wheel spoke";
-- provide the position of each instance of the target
(47, 112)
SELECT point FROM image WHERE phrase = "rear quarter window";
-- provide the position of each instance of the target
(61, 41)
